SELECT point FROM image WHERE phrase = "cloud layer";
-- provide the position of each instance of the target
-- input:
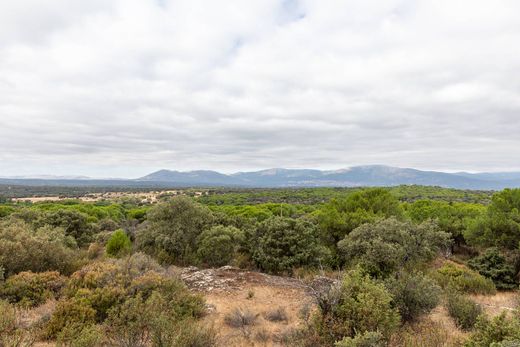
(123, 87)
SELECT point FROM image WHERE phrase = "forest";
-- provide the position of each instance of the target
(107, 273)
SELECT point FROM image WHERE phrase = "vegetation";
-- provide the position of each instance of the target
(106, 264)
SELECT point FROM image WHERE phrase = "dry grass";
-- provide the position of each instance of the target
(239, 318)
(263, 332)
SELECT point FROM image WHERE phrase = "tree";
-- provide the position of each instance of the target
(119, 244)
(385, 246)
(453, 218)
(279, 244)
(340, 216)
(217, 246)
(173, 229)
(500, 226)
(494, 266)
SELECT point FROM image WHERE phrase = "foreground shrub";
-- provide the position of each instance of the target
(31, 289)
(463, 280)
(500, 331)
(281, 244)
(239, 318)
(42, 250)
(277, 315)
(389, 245)
(78, 335)
(367, 339)
(494, 266)
(11, 334)
(118, 244)
(463, 310)
(69, 313)
(413, 294)
(358, 305)
(424, 333)
(116, 287)
(217, 246)
(139, 322)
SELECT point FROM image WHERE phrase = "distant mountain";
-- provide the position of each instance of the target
(371, 175)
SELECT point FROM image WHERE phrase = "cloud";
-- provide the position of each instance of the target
(122, 87)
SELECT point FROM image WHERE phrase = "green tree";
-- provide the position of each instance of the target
(280, 244)
(453, 218)
(173, 229)
(340, 216)
(493, 265)
(500, 226)
(118, 244)
(217, 246)
(388, 245)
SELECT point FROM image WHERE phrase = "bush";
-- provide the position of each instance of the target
(356, 306)
(463, 280)
(281, 244)
(367, 339)
(463, 310)
(116, 287)
(413, 294)
(78, 335)
(31, 289)
(119, 244)
(139, 322)
(239, 318)
(38, 251)
(424, 333)
(277, 315)
(389, 245)
(494, 266)
(71, 312)
(173, 229)
(217, 246)
(500, 331)
(11, 334)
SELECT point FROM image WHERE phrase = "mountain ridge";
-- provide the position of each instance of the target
(356, 176)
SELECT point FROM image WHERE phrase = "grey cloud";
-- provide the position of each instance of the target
(129, 86)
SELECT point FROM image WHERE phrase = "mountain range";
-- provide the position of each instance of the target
(371, 175)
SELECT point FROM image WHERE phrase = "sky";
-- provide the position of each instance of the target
(120, 88)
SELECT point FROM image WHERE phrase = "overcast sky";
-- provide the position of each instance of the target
(119, 88)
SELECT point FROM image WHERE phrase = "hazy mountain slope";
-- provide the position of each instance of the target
(372, 175)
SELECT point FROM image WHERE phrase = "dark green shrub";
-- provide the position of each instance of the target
(494, 266)
(390, 245)
(173, 229)
(217, 246)
(357, 305)
(281, 244)
(463, 310)
(463, 280)
(367, 339)
(413, 294)
(74, 223)
(31, 289)
(118, 244)
(500, 331)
